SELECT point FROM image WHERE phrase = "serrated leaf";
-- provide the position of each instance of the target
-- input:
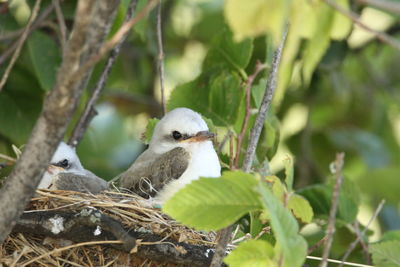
(290, 243)
(386, 254)
(253, 253)
(278, 188)
(301, 208)
(151, 124)
(288, 161)
(45, 57)
(214, 203)
(256, 17)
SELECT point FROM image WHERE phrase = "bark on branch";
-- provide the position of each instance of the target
(92, 21)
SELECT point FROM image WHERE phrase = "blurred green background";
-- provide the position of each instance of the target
(338, 89)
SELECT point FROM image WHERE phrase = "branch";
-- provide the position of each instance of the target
(143, 244)
(20, 44)
(388, 6)
(332, 213)
(61, 23)
(249, 83)
(89, 112)
(359, 236)
(254, 137)
(356, 19)
(160, 57)
(92, 22)
(266, 102)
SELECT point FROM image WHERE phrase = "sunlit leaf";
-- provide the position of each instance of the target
(386, 254)
(289, 169)
(253, 253)
(149, 130)
(341, 24)
(285, 228)
(301, 208)
(20, 10)
(214, 203)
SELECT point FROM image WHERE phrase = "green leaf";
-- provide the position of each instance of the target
(20, 10)
(214, 203)
(341, 24)
(315, 48)
(149, 130)
(45, 57)
(252, 18)
(288, 161)
(289, 242)
(301, 208)
(386, 254)
(253, 253)
(225, 51)
(225, 97)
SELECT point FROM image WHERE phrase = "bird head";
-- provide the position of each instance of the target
(181, 127)
(65, 160)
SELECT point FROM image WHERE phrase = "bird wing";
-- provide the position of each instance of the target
(147, 177)
(80, 183)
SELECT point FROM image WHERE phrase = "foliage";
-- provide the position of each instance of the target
(336, 91)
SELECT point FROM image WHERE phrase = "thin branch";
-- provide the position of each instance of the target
(20, 44)
(61, 23)
(359, 236)
(332, 213)
(387, 39)
(2, 156)
(249, 83)
(38, 23)
(161, 57)
(126, 27)
(266, 102)
(365, 247)
(89, 112)
(338, 261)
(317, 245)
(254, 137)
(388, 6)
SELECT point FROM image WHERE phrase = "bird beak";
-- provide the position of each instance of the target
(53, 169)
(200, 137)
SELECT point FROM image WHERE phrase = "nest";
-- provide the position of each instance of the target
(152, 230)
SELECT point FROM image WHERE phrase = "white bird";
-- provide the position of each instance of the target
(180, 151)
(65, 172)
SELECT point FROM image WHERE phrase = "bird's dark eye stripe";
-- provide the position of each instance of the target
(64, 163)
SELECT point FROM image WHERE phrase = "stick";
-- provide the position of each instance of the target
(20, 44)
(332, 214)
(61, 23)
(355, 242)
(388, 6)
(89, 112)
(254, 137)
(387, 39)
(161, 57)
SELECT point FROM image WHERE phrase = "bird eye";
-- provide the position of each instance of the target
(64, 163)
(176, 135)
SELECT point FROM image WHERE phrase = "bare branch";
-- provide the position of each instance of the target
(359, 236)
(383, 37)
(161, 57)
(388, 6)
(254, 137)
(92, 22)
(20, 44)
(61, 24)
(249, 83)
(89, 112)
(332, 213)
(266, 102)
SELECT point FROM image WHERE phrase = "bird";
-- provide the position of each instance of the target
(180, 151)
(65, 172)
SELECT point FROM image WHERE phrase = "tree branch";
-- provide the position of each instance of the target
(387, 39)
(89, 111)
(92, 22)
(254, 137)
(388, 6)
(61, 24)
(20, 44)
(160, 57)
(332, 213)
